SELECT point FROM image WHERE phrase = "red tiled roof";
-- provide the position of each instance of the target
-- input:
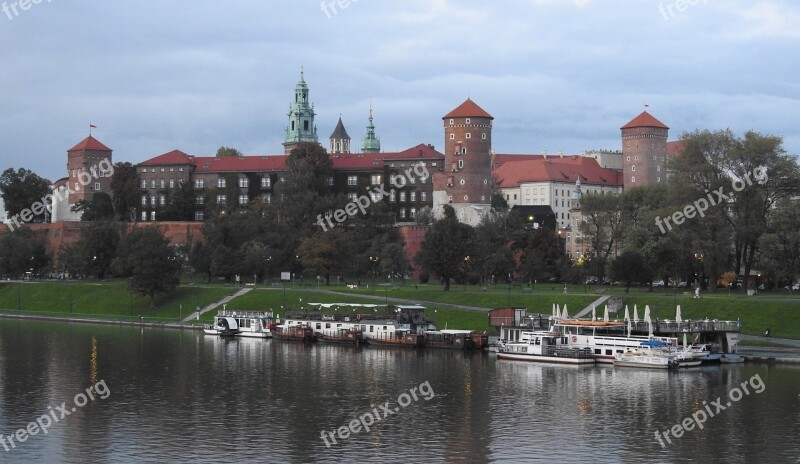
(675, 148)
(89, 143)
(556, 169)
(175, 157)
(468, 109)
(500, 159)
(645, 120)
(239, 163)
(375, 160)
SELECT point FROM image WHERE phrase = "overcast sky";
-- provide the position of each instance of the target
(556, 74)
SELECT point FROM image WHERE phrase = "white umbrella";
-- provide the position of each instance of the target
(678, 315)
(565, 315)
(647, 313)
(594, 318)
(555, 313)
(684, 339)
(627, 314)
(629, 327)
(635, 314)
(605, 314)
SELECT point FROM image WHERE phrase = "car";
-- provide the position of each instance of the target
(658, 283)
(683, 284)
(796, 287)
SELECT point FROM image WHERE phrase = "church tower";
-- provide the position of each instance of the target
(371, 143)
(466, 183)
(340, 141)
(301, 126)
(644, 151)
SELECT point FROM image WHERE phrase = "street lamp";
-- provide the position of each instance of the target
(373, 260)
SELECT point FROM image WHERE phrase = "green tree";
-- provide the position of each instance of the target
(445, 247)
(125, 191)
(543, 258)
(304, 193)
(22, 251)
(227, 152)
(780, 246)
(323, 253)
(182, 203)
(22, 188)
(98, 248)
(99, 208)
(629, 267)
(147, 258)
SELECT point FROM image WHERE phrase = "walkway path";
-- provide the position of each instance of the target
(216, 305)
(596, 304)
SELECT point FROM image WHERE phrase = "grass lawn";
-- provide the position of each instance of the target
(109, 298)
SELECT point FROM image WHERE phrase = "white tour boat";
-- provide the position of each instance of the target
(650, 354)
(242, 324)
(547, 347)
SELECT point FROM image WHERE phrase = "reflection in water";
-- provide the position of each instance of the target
(188, 396)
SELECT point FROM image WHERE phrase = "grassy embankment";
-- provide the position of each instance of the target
(110, 299)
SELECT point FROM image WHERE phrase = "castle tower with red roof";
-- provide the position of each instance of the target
(466, 180)
(89, 170)
(644, 151)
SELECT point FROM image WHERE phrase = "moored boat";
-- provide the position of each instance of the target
(343, 336)
(222, 326)
(456, 339)
(650, 355)
(300, 333)
(250, 323)
(547, 347)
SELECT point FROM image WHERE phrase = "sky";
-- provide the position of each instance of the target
(557, 75)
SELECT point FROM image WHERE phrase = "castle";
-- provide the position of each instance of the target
(463, 176)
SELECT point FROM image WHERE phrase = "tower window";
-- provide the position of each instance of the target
(633, 179)
(305, 125)
(466, 198)
(452, 122)
(658, 168)
(424, 196)
(469, 135)
(629, 158)
(636, 158)
(483, 136)
(468, 121)
(460, 164)
(462, 182)
(658, 179)
(452, 136)
(633, 168)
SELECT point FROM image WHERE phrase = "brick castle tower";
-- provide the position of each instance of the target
(644, 151)
(465, 183)
(86, 162)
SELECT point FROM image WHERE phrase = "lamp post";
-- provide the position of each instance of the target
(373, 260)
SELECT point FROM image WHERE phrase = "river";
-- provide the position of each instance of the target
(160, 395)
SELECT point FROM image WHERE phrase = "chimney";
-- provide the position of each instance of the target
(544, 154)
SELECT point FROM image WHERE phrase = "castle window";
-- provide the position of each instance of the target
(199, 199)
(392, 196)
(266, 182)
(221, 199)
(466, 198)
(376, 196)
(452, 122)
(658, 179)
(469, 135)
(403, 213)
(152, 215)
(144, 170)
(162, 200)
(152, 200)
(171, 169)
(144, 183)
(305, 125)
(144, 200)
(636, 158)
(424, 196)
(172, 183)
(161, 183)
(376, 179)
(162, 169)
(244, 182)
(144, 215)
(483, 136)
(450, 198)
(658, 168)
(152, 169)
(633, 168)
(180, 169)
(464, 151)
(402, 196)
(633, 179)
(97, 186)
(629, 158)
(268, 198)
(452, 136)
(413, 213)
(352, 196)
(199, 183)
(413, 196)
(244, 199)
(152, 183)
(221, 182)
(199, 216)
(329, 180)
(483, 198)
(462, 182)
(460, 164)
(352, 180)
(468, 121)
(654, 158)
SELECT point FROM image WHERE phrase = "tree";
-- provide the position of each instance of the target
(99, 208)
(602, 227)
(22, 251)
(303, 193)
(227, 152)
(780, 246)
(543, 257)
(97, 248)
(446, 246)
(324, 253)
(125, 191)
(182, 203)
(146, 256)
(629, 267)
(22, 188)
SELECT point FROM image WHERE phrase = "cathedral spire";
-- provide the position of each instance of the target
(371, 143)
(301, 126)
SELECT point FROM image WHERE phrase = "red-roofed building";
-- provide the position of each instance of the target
(644, 151)
(552, 180)
(89, 168)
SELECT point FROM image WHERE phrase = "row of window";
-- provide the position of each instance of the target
(468, 135)
(636, 158)
(633, 168)
(171, 169)
(377, 196)
(633, 179)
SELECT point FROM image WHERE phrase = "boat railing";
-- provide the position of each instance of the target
(567, 352)
(702, 325)
(245, 314)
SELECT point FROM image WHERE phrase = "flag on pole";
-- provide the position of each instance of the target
(92, 126)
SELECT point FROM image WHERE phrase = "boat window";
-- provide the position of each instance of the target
(609, 351)
(384, 328)
(372, 328)
(619, 351)
(338, 325)
(598, 351)
(328, 325)
(319, 325)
